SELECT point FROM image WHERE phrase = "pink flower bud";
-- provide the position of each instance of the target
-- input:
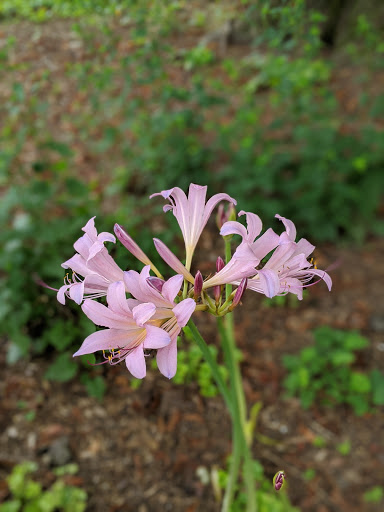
(198, 285)
(278, 480)
(156, 283)
(219, 264)
(239, 293)
(131, 245)
(224, 216)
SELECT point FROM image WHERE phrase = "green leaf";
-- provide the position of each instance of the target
(374, 495)
(63, 369)
(377, 381)
(96, 387)
(359, 383)
(341, 358)
(10, 506)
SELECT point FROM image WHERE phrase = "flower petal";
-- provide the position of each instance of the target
(265, 244)
(117, 300)
(135, 362)
(254, 225)
(167, 359)
(156, 337)
(304, 247)
(105, 317)
(106, 339)
(76, 292)
(183, 311)
(289, 227)
(280, 256)
(143, 312)
(270, 282)
(232, 227)
(172, 287)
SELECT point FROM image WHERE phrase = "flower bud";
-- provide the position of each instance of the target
(131, 245)
(278, 480)
(219, 264)
(224, 216)
(198, 285)
(239, 293)
(156, 283)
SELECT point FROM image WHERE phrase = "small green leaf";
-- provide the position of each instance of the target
(63, 369)
(374, 495)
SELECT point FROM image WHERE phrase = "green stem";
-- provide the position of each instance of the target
(226, 330)
(213, 365)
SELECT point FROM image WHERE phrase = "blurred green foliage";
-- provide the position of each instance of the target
(28, 495)
(324, 372)
(127, 113)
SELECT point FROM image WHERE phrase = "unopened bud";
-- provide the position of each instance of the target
(198, 286)
(278, 480)
(217, 293)
(156, 283)
(224, 215)
(219, 264)
(131, 245)
(239, 294)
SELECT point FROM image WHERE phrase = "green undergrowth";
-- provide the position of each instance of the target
(28, 495)
(326, 373)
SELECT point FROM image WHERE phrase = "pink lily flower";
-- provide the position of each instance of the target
(192, 213)
(169, 315)
(288, 270)
(252, 248)
(93, 262)
(128, 331)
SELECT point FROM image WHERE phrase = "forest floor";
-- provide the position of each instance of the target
(139, 450)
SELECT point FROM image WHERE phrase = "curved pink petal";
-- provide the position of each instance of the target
(265, 244)
(76, 292)
(270, 282)
(321, 274)
(135, 362)
(156, 337)
(292, 285)
(211, 203)
(143, 312)
(61, 293)
(105, 317)
(90, 229)
(304, 247)
(232, 227)
(82, 246)
(280, 256)
(117, 300)
(171, 260)
(132, 283)
(106, 237)
(78, 264)
(289, 227)
(183, 311)
(254, 225)
(172, 287)
(167, 359)
(95, 249)
(106, 339)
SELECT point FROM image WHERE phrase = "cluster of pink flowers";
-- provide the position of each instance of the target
(157, 309)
